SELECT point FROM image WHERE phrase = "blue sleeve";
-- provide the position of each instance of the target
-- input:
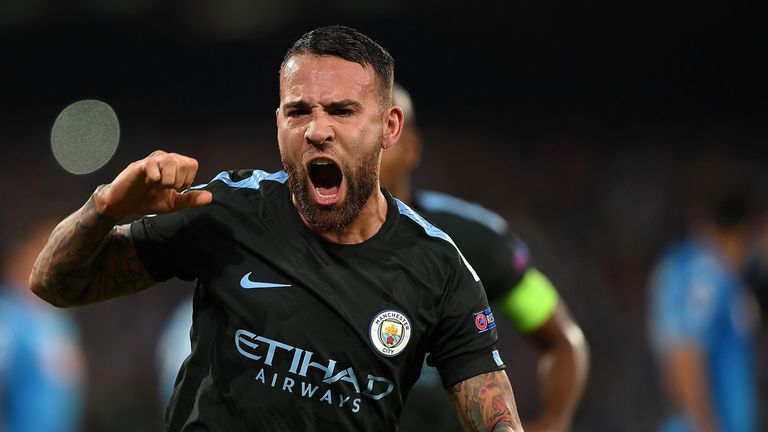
(174, 347)
(6, 353)
(6, 343)
(685, 299)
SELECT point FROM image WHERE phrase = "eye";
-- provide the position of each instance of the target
(295, 112)
(342, 112)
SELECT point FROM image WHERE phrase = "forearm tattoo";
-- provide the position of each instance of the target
(486, 403)
(88, 259)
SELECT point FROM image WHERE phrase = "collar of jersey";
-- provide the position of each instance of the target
(382, 234)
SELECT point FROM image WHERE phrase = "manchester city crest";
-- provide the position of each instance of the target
(390, 331)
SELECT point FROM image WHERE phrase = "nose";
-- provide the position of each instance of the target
(319, 131)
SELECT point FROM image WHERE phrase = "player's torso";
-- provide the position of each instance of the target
(717, 292)
(331, 335)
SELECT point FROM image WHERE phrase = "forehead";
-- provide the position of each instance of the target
(314, 78)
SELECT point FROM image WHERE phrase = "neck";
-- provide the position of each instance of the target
(366, 225)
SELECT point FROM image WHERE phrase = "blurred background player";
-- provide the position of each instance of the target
(703, 318)
(520, 292)
(173, 346)
(41, 364)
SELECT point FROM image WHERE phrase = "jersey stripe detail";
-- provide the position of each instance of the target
(433, 231)
(252, 182)
(439, 202)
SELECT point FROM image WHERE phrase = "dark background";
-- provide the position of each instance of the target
(593, 127)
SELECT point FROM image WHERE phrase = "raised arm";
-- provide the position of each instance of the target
(87, 258)
(486, 403)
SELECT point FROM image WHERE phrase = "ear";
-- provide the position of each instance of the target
(393, 126)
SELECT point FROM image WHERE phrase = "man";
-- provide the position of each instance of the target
(703, 320)
(41, 362)
(318, 295)
(524, 295)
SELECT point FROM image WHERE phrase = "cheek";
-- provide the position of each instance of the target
(368, 139)
(290, 141)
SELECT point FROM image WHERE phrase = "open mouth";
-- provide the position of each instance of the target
(326, 178)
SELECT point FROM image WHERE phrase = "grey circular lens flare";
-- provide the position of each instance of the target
(85, 136)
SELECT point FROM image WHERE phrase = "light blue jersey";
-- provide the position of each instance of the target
(174, 347)
(697, 300)
(41, 367)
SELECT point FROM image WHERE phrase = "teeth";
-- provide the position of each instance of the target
(322, 162)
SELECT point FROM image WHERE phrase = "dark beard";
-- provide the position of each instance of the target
(336, 218)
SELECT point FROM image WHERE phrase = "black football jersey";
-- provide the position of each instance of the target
(294, 333)
(499, 256)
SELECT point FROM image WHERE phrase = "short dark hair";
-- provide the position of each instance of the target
(351, 45)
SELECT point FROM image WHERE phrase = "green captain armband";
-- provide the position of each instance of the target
(531, 302)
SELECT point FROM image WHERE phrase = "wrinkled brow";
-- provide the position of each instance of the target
(342, 104)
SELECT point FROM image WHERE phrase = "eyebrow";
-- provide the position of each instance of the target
(344, 103)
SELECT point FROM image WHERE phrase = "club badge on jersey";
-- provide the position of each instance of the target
(390, 331)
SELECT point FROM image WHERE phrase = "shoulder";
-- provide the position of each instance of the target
(455, 210)
(484, 237)
(434, 238)
(240, 197)
(693, 258)
(242, 190)
(244, 180)
(690, 268)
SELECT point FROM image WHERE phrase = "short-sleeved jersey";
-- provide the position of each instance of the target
(41, 367)
(499, 256)
(699, 302)
(291, 332)
(526, 296)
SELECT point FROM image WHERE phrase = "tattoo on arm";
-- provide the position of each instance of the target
(88, 259)
(486, 403)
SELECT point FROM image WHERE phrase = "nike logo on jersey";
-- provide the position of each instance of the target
(247, 283)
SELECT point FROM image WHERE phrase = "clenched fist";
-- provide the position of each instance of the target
(151, 186)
